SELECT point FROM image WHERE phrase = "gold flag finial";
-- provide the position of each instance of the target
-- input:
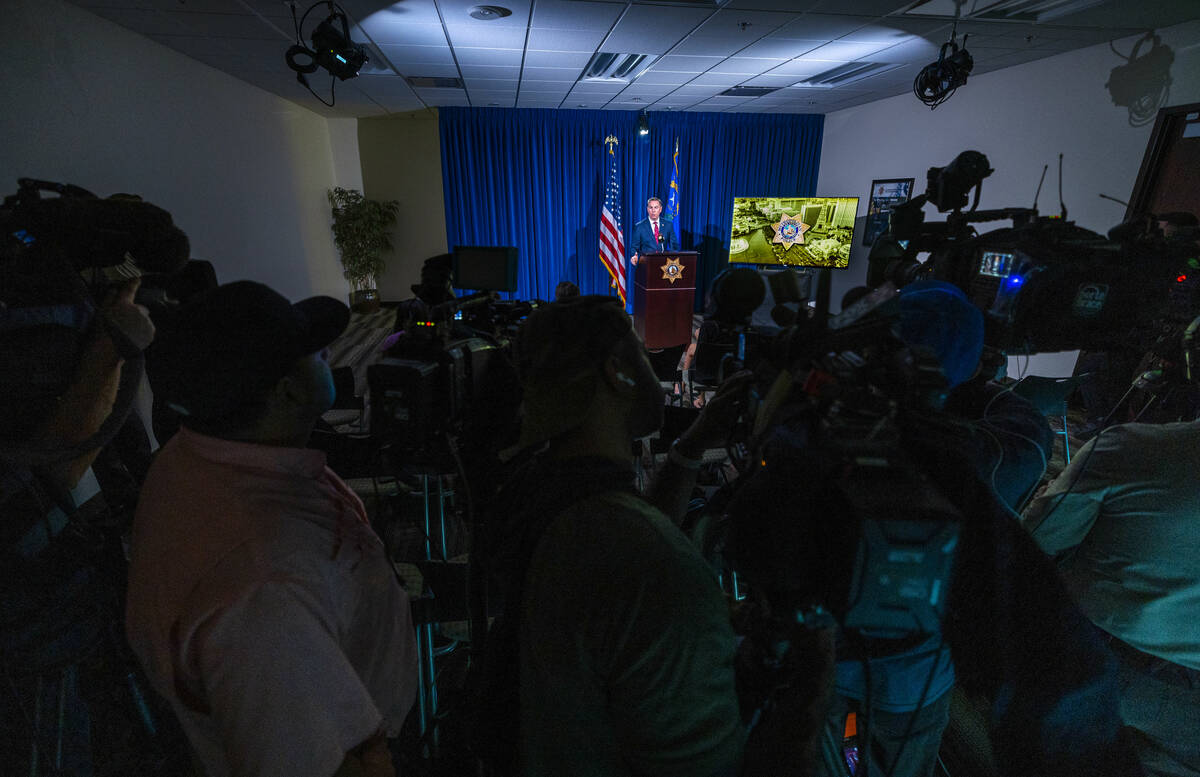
(611, 141)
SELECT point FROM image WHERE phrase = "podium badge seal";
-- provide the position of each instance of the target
(672, 270)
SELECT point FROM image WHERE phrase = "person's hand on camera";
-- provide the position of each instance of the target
(715, 423)
(131, 318)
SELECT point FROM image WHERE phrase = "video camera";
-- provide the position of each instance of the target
(1043, 284)
(59, 256)
(448, 379)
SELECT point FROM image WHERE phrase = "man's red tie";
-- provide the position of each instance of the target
(655, 225)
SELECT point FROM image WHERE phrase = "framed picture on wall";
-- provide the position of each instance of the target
(885, 195)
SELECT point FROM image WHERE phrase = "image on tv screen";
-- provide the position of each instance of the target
(796, 231)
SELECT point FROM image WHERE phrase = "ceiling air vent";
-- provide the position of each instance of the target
(845, 74)
(605, 66)
(430, 82)
(749, 91)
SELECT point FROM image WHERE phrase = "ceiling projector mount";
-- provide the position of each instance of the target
(331, 49)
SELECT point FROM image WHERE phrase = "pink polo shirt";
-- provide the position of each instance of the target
(262, 606)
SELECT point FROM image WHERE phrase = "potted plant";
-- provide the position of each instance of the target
(360, 232)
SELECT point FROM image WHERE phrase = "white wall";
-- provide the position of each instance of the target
(1021, 118)
(242, 171)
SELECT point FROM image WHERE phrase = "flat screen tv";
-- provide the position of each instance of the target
(485, 268)
(793, 231)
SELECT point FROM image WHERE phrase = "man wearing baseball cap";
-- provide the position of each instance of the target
(261, 603)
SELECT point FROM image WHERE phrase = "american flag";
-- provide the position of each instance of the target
(612, 243)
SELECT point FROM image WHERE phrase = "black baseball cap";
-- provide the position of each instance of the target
(228, 347)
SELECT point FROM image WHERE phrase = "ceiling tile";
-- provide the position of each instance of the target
(717, 79)
(551, 73)
(545, 88)
(746, 24)
(377, 86)
(493, 84)
(745, 66)
(914, 51)
(392, 14)
(596, 87)
(804, 67)
(434, 71)
(572, 59)
(566, 40)
(420, 55)
(780, 48)
(772, 80)
(481, 56)
(382, 28)
(821, 26)
(443, 96)
(488, 100)
(712, 47)
(572, 14)
(484, 36)
(655, 77)
(651, 29)
(489, 71)
(678, 63)
(846, 51)
(895, 29)
(1136, 16)
(863, 7)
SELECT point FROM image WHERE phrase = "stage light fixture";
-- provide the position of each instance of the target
(332, 48)
(643, 124)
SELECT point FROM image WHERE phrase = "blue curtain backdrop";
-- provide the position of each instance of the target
(534, 178)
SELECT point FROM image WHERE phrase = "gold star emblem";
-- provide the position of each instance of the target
(672, 270)
(789, 231)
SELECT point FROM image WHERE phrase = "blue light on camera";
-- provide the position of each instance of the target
(1015, 281)
(458, 315)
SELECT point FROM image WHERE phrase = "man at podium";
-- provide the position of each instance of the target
(653, 233)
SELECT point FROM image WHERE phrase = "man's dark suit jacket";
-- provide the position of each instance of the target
(643, 237)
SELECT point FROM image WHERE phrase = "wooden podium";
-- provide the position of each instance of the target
(663, 298)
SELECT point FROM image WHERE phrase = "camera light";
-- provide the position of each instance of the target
(1181, 279)
(1015, 280)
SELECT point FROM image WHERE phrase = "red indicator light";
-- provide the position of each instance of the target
(1181, 279)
